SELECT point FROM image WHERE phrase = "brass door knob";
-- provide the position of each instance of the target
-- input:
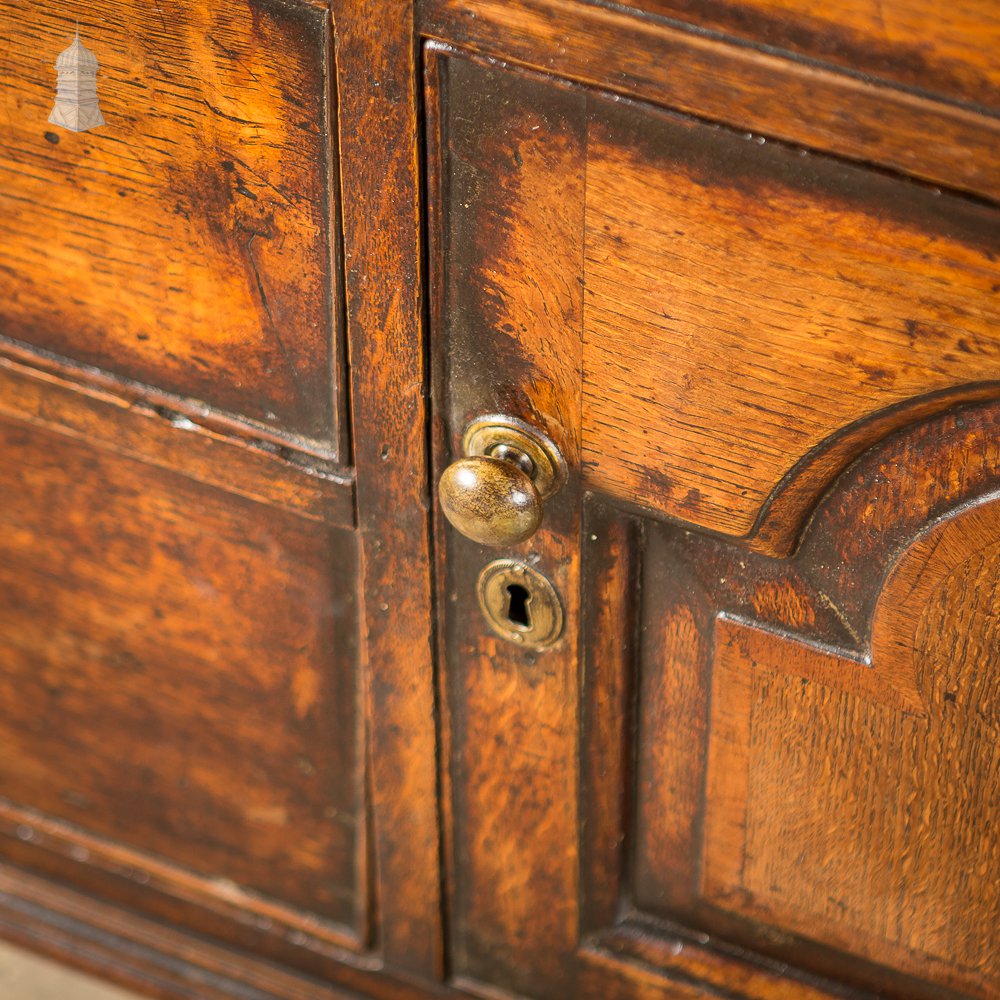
(495, 494)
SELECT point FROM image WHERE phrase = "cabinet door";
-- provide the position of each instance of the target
(184, 718)
(760, 757)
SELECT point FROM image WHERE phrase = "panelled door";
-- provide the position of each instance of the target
(728, 718)
(181, 711)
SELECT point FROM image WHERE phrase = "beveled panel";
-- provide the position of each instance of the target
(186, 244)
(748, 304)
(178, 680)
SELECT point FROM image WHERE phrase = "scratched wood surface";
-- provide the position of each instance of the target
(187, 243)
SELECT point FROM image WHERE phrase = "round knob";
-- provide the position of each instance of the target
(490, 500)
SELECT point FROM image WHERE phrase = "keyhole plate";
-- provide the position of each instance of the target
(520, 604)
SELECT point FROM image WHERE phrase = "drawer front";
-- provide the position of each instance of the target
(773, 377)
(187, 244)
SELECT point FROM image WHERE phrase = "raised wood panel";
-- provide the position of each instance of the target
(745, 302)
(187, 244)
(752, 319)
(817, 769)
(750, 310)
(901, 861)
(923, 44)
(179, 685)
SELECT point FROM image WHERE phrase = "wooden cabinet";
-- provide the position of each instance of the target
(726, 723)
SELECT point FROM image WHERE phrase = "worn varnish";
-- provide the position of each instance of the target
(511, 713)
(752, 89)
(705, 385)
(883, 704)
(188, 243)
(260, 740)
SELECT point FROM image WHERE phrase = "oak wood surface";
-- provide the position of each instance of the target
(179, 673)
(924, 45)
(746, 301)
(796, 274)
(855, 697)
(377, 84)
(761, 92)
(629, 251)
(510, 713)
(188, 243)
(169, 440)
(165, 961)
(710, 389)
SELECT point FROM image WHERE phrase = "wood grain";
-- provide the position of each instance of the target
(167, 962)
(723, 395)
(746, 302)
(179, 672)
(376, 78)
(864, 704)
(903, 865)
(508, 339)
(751, 90)
(948, 49)
(164, 438)
(188, 244)
(610, 577)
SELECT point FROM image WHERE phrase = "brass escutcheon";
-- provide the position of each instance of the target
(520, 604)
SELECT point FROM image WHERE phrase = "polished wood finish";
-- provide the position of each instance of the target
(706, 383)
(122, 582)
(187, 244)
(739, 263)
(773, 756)
(510, 713)
(705, 386)
(843, 665)
(379, 137)
(756, 91)
(947, 49)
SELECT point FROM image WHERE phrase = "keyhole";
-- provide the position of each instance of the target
(517, 606)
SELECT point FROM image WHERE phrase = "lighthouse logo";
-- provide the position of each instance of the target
(76, 106)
